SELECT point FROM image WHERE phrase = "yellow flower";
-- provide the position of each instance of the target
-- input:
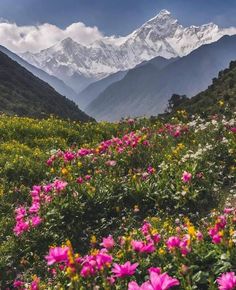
(64, 171)
(192, 231)
(221, 103)
(70, 272)
(93, 240)
(181, 145)
(119, 255)
(75, 278)
(161, 251)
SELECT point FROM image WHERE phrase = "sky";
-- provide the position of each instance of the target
(47, 21)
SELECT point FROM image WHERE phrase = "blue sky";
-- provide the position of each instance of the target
(116, 16)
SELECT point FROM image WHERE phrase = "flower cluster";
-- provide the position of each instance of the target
(41, 195)
(166, 258)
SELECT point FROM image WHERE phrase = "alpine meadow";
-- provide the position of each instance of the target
(117, 145)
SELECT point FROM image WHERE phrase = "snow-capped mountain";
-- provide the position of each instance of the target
(160, 36)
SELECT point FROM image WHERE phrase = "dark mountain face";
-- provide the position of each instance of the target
(56, 83)
(221, 91)
(145, 90)
(91, 92)
(24, 94)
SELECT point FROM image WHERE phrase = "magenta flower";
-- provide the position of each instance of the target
(146, 227)
(145, 286)
(57, 255)
(148, 248)
(173, 242)
(157, 282)
(124, 270)
(137, 245)
(227, 281)
(155, 270)
(216, 239)
(18, 284)
(228, 210)
(186, 177)
(88, 177)
(59, 185)
(199, 236)
(36, 220)
(79, 180)
(108, 242)
(34, 208)
(233, 129)
(21, 227)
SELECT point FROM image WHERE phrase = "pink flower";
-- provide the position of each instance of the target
(18, 284)
(87, 270)
(79, 180)
(221, 222)
(151, 170)
(146, 228)
(157, 282)
(199, 236)
(137, 245)
(59, 185)
(111, 163)
(35, 284)
(156, 238)
(228, 210)
(68, 156)
(108, 242)
(148, 248)
(47, 188)
(124, 270)
(155, 270)
(57, 255)
(36, 220)
(173, 242)
(177, 133)
(233, 129)
(34, 208)
(212, 232)
(111, 280)
(227, 281)
(186, 177)
(21, 227)
(142, 247)
(162, 281)
(20, 213)
(145, 286)
(216, 239)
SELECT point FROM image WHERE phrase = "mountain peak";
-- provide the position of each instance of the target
(67, 41)
(164, 12)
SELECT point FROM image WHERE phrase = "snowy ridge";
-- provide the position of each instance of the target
(160, 36)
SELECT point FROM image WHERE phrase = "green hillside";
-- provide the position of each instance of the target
(24, 94)
(222, 92)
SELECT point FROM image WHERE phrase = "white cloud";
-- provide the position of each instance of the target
(35, 38)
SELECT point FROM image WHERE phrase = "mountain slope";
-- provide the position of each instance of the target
(221, 91)
(92, 91)
(24, 94)
(56, 83)
(160, 36)
(146, 90)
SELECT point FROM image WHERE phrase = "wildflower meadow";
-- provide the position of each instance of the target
(139, 204)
